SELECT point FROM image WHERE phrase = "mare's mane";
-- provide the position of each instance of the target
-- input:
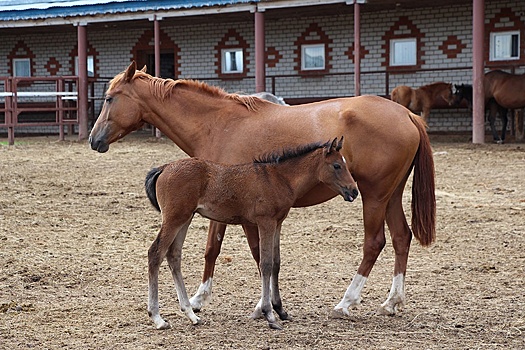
(289, 153)
(433, 85)
(162, 89)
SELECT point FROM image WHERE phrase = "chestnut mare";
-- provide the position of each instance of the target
(259, 194)
(383, 143)
(421, 100)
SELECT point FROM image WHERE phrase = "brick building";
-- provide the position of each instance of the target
(308, 45)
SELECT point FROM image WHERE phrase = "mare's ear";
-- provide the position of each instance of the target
(144, 69)
(130, 72)
(339, 144)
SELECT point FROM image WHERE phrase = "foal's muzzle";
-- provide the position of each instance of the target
(349, 194)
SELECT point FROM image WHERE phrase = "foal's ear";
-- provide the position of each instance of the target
(143, 70)
(130, 72)
(339, 144)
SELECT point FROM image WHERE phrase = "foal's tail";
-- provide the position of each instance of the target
(423, 188)
(151, 185)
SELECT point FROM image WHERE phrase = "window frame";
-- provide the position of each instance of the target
(393, 42)
(492, 45)
(224, 59)
(304, 47)
(90, 60)
(21, 59)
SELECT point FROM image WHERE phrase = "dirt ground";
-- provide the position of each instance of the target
(76, 227)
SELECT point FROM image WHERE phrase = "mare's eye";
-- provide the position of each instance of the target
(337, 166)
(109, 99)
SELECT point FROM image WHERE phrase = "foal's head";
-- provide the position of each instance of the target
(121, 112)
(334, 172)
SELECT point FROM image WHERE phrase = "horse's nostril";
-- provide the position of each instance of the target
(355, 192)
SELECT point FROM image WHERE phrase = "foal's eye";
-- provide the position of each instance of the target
(337, 166)
(109, 99)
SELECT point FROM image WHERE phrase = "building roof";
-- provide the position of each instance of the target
(30, 10)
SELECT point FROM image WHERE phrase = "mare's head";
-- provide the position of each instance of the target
(121, 112)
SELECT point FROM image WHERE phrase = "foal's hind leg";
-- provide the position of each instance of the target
(156, 254)
(213, 248)
(174, 261)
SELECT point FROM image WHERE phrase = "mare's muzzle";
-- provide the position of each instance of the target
(349, 194)
(98, 144)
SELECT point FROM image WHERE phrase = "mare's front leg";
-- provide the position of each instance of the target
(374, 242)
(213, 248)
(174, 258)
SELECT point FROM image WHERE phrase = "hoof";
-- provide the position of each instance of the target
(339, 313)
(197, 322)
(257, 314)
(275, 325)
(164, 325)
(386, 311)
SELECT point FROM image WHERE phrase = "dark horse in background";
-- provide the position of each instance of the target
(463, 92)
(503, 91)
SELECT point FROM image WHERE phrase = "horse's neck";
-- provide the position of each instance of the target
(300, 174)
(189, 118)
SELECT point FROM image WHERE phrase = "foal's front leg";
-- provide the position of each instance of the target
(267, 233)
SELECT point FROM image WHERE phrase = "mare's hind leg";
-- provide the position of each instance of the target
(213, 248)
(401, 238)
(374, 218)
(174, 260)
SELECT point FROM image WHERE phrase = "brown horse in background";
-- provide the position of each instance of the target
(508, 90)
(422, 100)
(258, 194)
(383, 143)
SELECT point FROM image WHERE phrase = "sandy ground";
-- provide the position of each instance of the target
(76, 227)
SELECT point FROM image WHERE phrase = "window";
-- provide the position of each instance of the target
(232, 61)
(90, 66)
(504, 46)
(313, 57)
(403, 52)
(21, 67)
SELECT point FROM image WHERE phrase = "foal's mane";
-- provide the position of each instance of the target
(289, 153)
(163, 89)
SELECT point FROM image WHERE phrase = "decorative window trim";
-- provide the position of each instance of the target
(412, 61)
(238, 65)
(21, 59)
(515, 54)
(304, 61)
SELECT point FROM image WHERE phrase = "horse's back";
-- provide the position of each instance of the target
(507, 89)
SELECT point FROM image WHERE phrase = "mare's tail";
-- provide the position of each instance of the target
(423, 188)
(151, 185)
